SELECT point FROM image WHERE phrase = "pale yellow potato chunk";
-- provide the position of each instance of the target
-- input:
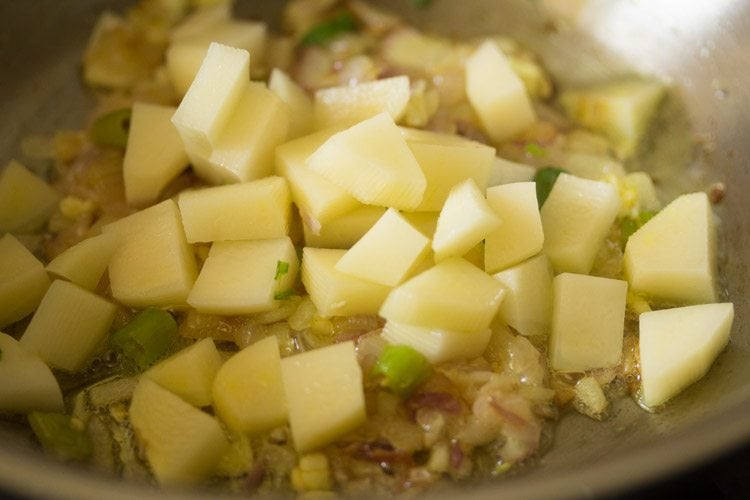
(182, 444)
(576, 219)
(183, 60)
(68, 326)
(155, 154)
(26, 201)
(26, 382)
(672, 258)
(248, 211)
(153, 265)
(678, 346)
(452, 295)
(372, 161)
(243, 277)
(201, 19)
(190, 372)
(588, 317)
(507, 172)
(436, 344)
(298, 102)
(520, 236)
(324, 392)
(23, 280)
(344, 230)
(335, 293)
(85, 262)
(597, 167)
(388, 253)
(527, 306)
(248, 391)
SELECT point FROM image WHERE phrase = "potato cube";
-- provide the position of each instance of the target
(596, 167)
(85, 262)
(182, 444)
(183, 60)
(372, 161)
(436, 344)
(243, 277)
(576, 219)
(527, 306)
(154, 265)
(335, 293)
(68, 326)
(497, 94)
(201, 19)
(520, 235)
(189, 373)
(298, 102)
(344, 230)
(672, 258)
(452, 295)
(388, 253)
(26, 201)
(23, 280)
(507, 172)
(588, 318)
(248, 390)
(248, 211)
(678, 346)
(154, 155)
(324, 392)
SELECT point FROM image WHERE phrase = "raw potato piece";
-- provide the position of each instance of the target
(520, 236)
(438, 345)
(243, 277)
(343, 231)
(324, 392)
(453, 295)
(678, 346)
(154, 155)
(299, 103)
(335, 293)
(497, 94)
(588, 317)
(68, 326)
(26, 201)
(189, 373)
(672, 258)
(576, 219)
(248, 211)
(597, 167)
(372, 161)
(507, 172)
(248, 390)
(350, 104)
(182, 444)
(388, 253)
(527, 306)
(23, 280)
(26, 383)
(85, 262)
(464, 221)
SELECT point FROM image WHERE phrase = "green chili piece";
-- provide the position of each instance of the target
(535, 149)
(146, 338)
(282, 268)
(545, 179)
(629, 225)
(59, 435)
(112, 129)
(283, 295)
(325, 31)
(402, 369)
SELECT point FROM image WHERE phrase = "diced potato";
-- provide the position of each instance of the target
(620, 110)
(576, 219)
(520, 235)
(388, 253)
(23, 280)
(507, 172)
(672, 258)
(643, 192)
(324, 392)
(425, 222)
(26, 201)
(248, 391)
(182, 444)
(85, 262)
(678, 346)
(527, 306)
(26, 383)
(201, 19)
(344, 230)
(350, 104)
(335, 293)
(68, 326)
(588, 317)
(452, 295)
(464, 221)
(247, 211)
(189, 373)
(154, 155)
(497, 94)
(154, 265)
(592, 166)
(243, 277)
(445, 161)
(299, 103)
(372, 161)
(183, 60)
(436, 344)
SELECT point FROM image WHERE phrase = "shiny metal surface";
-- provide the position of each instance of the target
(701, 47)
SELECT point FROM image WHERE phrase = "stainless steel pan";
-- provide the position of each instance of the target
(702, 47)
